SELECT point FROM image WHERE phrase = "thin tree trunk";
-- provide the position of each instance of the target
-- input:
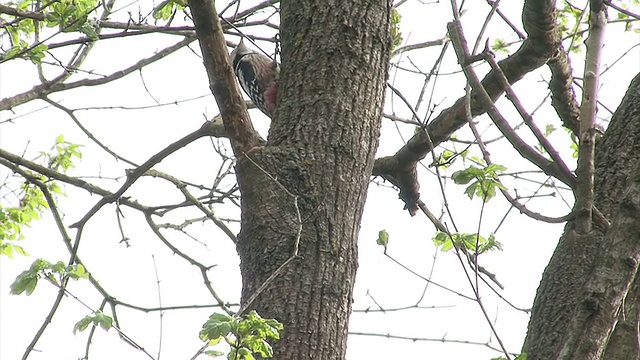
(321, 149)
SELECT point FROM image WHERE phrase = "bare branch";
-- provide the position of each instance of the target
(133, 175)
(588, 108)
(190, 198)
(544, 38)
(622, 10)
(222, 81)
(55, 86)
(422, 45)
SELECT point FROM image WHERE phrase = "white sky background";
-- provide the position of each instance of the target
(130, 274)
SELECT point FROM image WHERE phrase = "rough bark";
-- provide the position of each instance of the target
(620, 149)
(321, 149)
(566, 291)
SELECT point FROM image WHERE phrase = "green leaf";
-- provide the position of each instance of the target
(471, 190)
(245, 354)
(164, 13)
(217, 326)
(444, 240)
(262, 348)
(549, 129)
(12, 52)
(59, 267)
(77, 272)
(6, 248)
(466, 175)
(25, 282)
(469, 241)
(485, 183)
(105, 321)
(247, 336)
(97, 319)
(396, 34)
(383, 238)
(500, 45)
(494, 169)
(90, 31)
(83, 324)
(37, 53)
(214, 353)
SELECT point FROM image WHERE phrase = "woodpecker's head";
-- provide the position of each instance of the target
(239, 52)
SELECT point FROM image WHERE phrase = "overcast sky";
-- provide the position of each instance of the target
(131, 273)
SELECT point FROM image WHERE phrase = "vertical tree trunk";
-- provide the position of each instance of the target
(321, 149)
(562, 293)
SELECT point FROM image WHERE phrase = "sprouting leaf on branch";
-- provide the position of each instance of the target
(30, 201)
(216, 327)
(61, 156)
(8, 249)
(27, 280)
(97, 319)
(14, 218)
(247, 336)
(76, 272)
(68, 15)
(574, 143)
(500, 45)
(396, 35)
(166, 9)
(468, 241)
(486, 180)
(383, 238)
(35, 54)
(448, 157)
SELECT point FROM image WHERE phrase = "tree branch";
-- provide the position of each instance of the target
(55, 86)
(539, 20)
(222, 81)
(133, 175)
(563, 97)
(586, 149)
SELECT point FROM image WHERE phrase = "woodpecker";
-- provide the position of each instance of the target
(257, 75)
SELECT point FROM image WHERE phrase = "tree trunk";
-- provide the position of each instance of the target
(307, 187)
(570, 303)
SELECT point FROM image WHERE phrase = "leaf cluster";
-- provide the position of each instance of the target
(32, 202)
(396, 35)
(483, 181)
(168, 8)
(56, 273)
(97, 319)
(61, 156)
(67, 15)
(14, 219)
(247, 336)
(472, 242)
